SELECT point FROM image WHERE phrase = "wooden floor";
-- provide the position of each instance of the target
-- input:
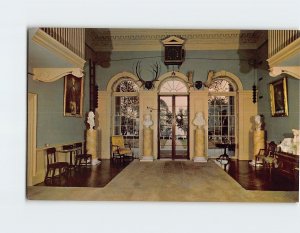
(90, 176)
(260, 179)
(246, 175)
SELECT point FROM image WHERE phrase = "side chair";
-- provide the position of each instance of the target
(53, 165)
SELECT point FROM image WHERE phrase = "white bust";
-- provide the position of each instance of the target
(91, 119)
(258, 122)
(147, 121)
(199, 120)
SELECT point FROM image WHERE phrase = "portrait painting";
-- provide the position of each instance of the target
(73, 95)
(279, 98)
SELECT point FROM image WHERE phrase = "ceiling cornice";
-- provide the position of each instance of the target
(150, 39)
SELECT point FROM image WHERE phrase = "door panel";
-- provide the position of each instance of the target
(173, 127)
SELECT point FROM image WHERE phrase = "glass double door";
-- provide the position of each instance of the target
(173, 126)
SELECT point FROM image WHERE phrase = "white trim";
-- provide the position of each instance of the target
(53, 74)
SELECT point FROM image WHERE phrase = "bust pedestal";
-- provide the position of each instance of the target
(199, 147)
(258, 143)
(91, 146)
(148, 145)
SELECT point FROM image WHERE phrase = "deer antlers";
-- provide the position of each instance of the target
(156, 68)
(138, 72)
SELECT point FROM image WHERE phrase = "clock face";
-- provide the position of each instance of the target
(173, 54)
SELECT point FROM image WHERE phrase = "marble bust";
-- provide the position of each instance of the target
(258, 122)
(91, 120)
(199, 120)
(147, 121)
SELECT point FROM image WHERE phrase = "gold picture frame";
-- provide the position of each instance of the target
(73, 96)
(279, 98)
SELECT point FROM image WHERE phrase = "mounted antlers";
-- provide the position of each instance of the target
(156, 68)
(138, 72)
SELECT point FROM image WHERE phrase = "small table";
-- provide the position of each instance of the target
(224, 157)
(71, 150)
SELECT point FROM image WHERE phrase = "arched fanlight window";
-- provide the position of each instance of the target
(221, 114)
(221, 85)
(173, 85)
(127, 85)
(126, 112)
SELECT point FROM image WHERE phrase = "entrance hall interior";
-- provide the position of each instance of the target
(163, 111)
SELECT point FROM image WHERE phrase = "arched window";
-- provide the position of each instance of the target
(127, 85)
(126, 112)
(221, 114)
(173, 85)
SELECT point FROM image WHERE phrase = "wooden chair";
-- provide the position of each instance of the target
(259, 158)
(80, 156)
(53, 165)
(118, 149)
(266, 157)
(270, 160)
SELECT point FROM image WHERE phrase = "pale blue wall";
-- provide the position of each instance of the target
(200, 62)
(52, 126)
(279, 127)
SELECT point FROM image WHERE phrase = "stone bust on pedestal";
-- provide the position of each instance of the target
(199, 146)
(91, 120)
(147, 121)
(147, 139)
(199, 120)
(258, 122)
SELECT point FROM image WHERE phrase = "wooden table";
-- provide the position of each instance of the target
(71, 150)
(224, 157)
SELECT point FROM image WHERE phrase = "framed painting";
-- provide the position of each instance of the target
(279, 98)
(73, 96)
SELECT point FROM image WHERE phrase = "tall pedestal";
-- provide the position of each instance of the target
(91, 145)
(258, 143)
(199, 147)
(148, 146)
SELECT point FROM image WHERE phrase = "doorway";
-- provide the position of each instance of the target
(173, 127)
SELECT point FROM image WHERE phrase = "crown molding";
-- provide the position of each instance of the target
(46, 41)
(150, 39)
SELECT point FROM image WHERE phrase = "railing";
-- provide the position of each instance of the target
(279, 39)
(72, 38)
